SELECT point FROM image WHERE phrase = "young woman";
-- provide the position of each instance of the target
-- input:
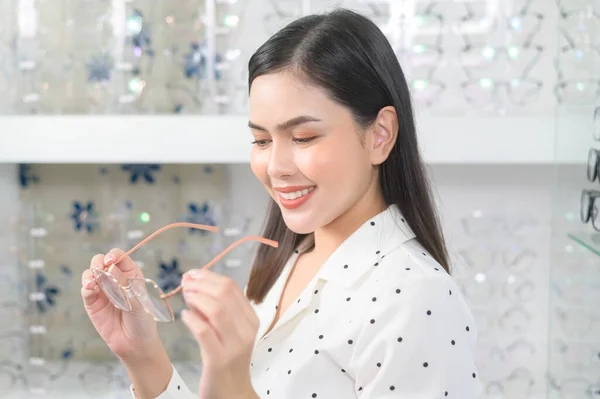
(357, 300)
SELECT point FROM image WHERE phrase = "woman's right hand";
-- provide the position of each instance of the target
(132, 336)
(127, 334)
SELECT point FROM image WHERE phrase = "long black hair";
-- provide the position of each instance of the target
(347, 55)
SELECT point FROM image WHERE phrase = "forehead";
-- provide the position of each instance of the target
(281, 96)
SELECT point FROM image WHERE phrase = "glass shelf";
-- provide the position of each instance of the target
(587, 240)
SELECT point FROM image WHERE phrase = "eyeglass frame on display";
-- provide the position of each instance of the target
(163, 296)
(524, 11)
(590, 197)
(591, 387)
(596, 119)
(15, 372)
(566, 15)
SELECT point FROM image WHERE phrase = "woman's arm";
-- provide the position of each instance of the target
(149, 375)
(420, 345)
(173, 388)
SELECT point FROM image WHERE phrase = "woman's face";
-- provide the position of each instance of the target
(308, 152)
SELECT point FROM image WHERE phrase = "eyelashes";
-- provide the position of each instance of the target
(264, 143)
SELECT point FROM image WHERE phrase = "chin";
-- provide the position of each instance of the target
(299, 222)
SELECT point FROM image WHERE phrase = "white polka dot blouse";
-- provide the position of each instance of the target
(381, 319)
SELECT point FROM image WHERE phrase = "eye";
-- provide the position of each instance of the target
(261, 143)
(304, 140)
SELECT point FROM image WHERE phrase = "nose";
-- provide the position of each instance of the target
(281, 160)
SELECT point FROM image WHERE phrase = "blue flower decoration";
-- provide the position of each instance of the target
(99, 68)
(83, 216)
(141, 170)
(202, 214)
(27, 176)
(66, 270)
(141, 40)
(170, 276)
(194, 62)
(50, 291)
(67, 354)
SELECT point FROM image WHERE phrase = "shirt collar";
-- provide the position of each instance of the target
(366, 247)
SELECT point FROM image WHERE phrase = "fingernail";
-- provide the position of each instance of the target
(184, 315)
(197, 273)
(90, 284)
(108, 259)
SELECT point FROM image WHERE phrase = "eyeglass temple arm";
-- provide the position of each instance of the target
(157, 232)
(263, 240)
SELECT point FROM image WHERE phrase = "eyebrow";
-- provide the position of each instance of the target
(299, 120)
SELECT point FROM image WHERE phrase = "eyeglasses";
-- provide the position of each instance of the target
(596, 132)
(590, 208)
(481, 61)
(578, 355)
(593, 164)
(12, 377)
(426, 92)
(576, 387)
(519, 383)
(580, 26)
(522, 26)
(146, 291)
(486, 90)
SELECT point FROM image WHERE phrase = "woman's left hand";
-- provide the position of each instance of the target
(224, 324)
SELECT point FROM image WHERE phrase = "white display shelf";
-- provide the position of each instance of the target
(226, 139)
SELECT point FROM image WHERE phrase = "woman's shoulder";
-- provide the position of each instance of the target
(411, 261)
(409, 274)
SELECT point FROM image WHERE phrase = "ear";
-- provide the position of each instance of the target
(384, 134)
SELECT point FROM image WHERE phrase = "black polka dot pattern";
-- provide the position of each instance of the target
(370, 327)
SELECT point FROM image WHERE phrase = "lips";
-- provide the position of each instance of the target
(294, 196)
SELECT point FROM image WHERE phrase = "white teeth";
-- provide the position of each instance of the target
(296, 194)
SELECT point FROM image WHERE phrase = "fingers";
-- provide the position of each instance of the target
(126, 265)
(204, 334)
(93, 298)
(97, 262)
(212, 312)
(222, 288)
(221, 301)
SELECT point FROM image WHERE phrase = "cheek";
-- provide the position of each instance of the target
(329, 165)
(259, 162)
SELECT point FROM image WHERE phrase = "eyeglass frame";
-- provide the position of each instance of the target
(596, 119)
(127, 289)
(590, 196)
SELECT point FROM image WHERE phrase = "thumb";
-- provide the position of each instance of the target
(124, 281)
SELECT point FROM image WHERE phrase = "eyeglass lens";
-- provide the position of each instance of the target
(150, 297)
(112, 290)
